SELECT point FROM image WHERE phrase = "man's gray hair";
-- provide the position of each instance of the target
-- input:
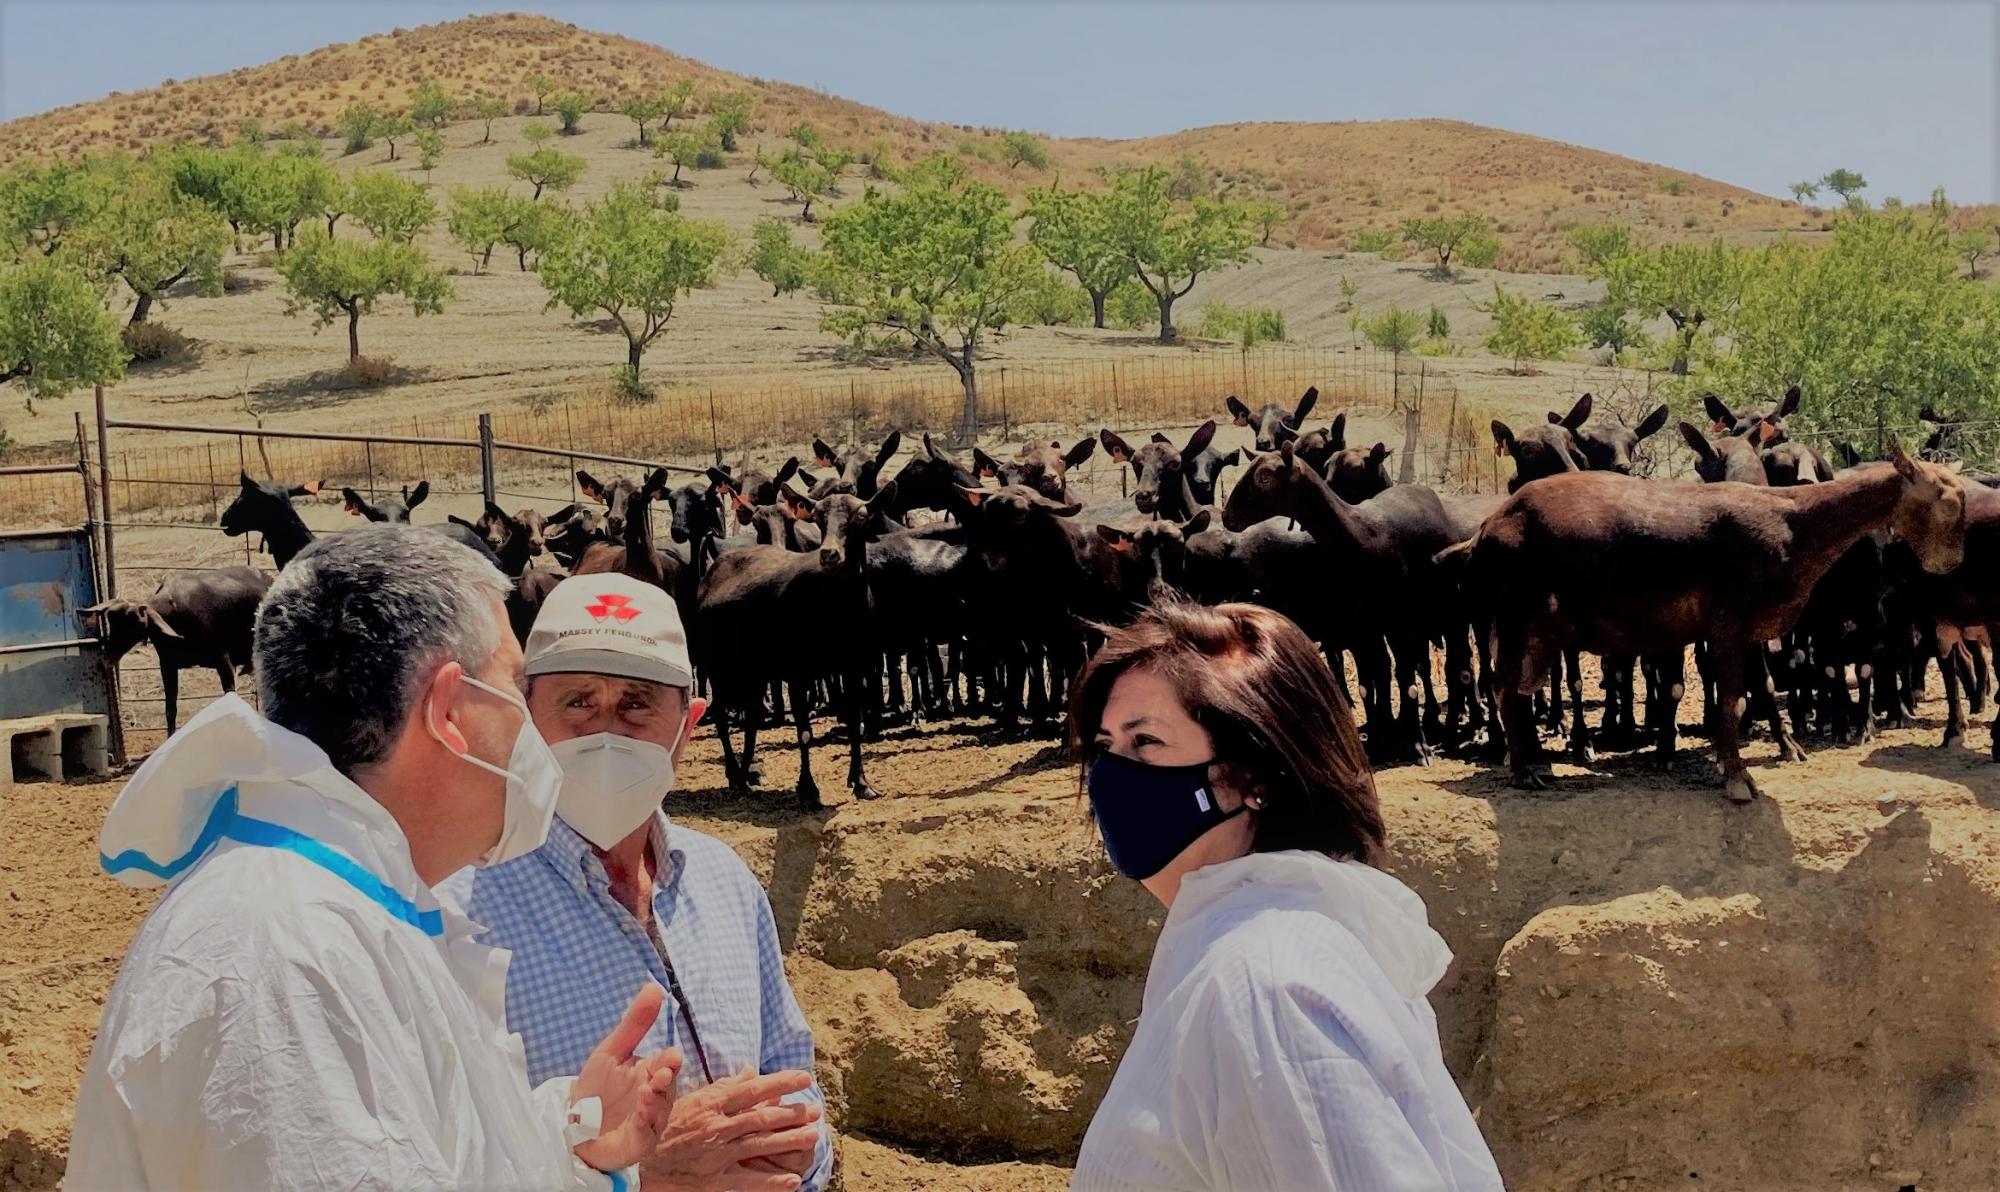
(357, 624)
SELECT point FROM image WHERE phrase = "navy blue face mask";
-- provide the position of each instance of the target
(1148, 814)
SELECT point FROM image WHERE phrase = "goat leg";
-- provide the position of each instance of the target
(738, 782)
(855, 782)
(1954, 721)
(1729, 661)
(1666, 683)
(170, 684)
(1579, 732)
(807, 789)
(1789, 750)
(1519, 666)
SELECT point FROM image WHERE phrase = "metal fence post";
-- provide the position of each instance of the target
(486, 456)
(714, 436)
(107, 669)
(104, 489)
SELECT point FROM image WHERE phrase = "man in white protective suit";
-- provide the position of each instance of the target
(298, 1011)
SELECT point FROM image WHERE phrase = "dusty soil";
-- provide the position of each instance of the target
(1652, 988)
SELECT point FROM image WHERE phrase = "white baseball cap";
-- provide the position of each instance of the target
(610, 624)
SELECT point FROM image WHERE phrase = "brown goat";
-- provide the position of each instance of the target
(1612, 565)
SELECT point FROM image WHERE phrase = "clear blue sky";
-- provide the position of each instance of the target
(1758, 95)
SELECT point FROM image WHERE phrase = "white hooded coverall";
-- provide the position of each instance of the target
(1285, 1043)
(298, 1011)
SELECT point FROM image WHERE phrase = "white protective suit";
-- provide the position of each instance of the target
(1285, 1043)
(298, 1011)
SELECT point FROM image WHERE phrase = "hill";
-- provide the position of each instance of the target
(1333, 178)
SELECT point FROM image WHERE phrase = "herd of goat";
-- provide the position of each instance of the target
(825, 589)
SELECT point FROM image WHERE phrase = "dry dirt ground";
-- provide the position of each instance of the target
(1653, 988)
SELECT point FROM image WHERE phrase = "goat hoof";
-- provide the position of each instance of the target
(1740, 789)
(1582, 754)
(1952, 740)
(863, 791)
(1528, 780)
(754, 778)
(809, 799)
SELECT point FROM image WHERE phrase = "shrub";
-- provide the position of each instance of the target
(1394, 330)
(1377, 240)
(150, 343)
(1050, 300)
(1673, 186)
(1131, 306)
(1439, 347)
(367, 372)
(1248, 325)
(628, 389)
(1526, 329)
(570, 108)
(1439, 326)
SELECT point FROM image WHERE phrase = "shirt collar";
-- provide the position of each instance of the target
(575, 859)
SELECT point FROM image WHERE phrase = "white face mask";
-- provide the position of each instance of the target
(534, 781)
(612, 784)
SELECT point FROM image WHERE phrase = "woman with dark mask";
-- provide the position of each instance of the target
(1285, 1042)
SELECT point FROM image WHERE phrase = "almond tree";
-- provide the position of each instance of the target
(935, 261)
(55, 334)
(152, 237)
(633, 261)
(1072, 229)
(1168, 240)
(332, 277)
(546, 169)
(643, 109)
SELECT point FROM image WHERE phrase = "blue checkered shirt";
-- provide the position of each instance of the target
(579, 956)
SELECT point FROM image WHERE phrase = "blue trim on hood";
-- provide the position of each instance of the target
(225, 824)
(219, 818)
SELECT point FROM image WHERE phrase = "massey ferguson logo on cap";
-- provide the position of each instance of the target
(613, 605)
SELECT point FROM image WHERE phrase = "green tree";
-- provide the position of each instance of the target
(1024, 149)
(202, 173)
(1073, 230)
(486, 111)
(776, 259)
(1801, 191)
(1972, 244)
(634, 262)
(332, 277)
(1597, 243)
(935, 261)
(686, 147)
(394, 128)
(358, 126)
(546, 169)
(1845, 183)
(541, 85)
(55, 334)
(1438, 325)
(1527, 329)
(249, 132)
(480, 218)
(390, 206)
(1189, 180)
(1394, 330)
(1606, 325)
(1691, 284)
(430, 147)
(152, 237)
(273, 195)
(535, 228)
(643, 110)
(1466, 236)
(1266, 216)
(570, 107)
(677, 100)
(430, 106)
(729, 112)
(805, 178)
(40, 205)
(1169, 242)
(538, 133)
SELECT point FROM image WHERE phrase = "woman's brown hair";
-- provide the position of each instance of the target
(1281, 727)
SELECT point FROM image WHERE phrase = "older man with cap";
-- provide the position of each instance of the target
(619, 897)
(298, 1011)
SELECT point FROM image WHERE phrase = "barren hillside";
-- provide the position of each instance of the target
(1333, 178)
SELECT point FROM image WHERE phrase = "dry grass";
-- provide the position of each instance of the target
(1333, 178)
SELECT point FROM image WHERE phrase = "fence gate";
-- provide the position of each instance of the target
(54, 677)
